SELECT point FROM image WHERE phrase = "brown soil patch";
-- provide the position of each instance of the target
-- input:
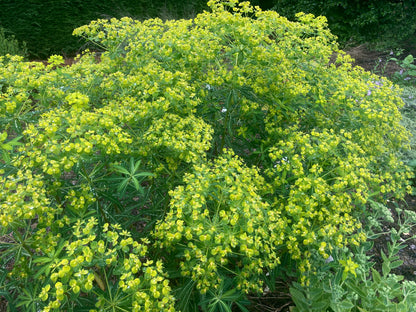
(3, 305)
(380, 62)
(375, 61)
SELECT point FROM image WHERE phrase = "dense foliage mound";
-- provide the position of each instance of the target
(193, 159)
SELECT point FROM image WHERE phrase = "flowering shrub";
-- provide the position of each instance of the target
(140, 284)
(215, 147)
(218, 223)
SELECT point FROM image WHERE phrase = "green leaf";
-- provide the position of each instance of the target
(230, 294)
(7, 147)
(5, 157)
(136, 184)
(42, 260)
(120, 169)
(408, 59)
(396, 264)
(299, 299)
(241, 307)
(385, 268)
(361, 291)
(224, 307)
(45, 269)
(376, 276)
(15, 141)
(184, 296)
(383, 255)
(134, 166)
(3, 136)
(122, 186)
(346, 305)
(368, 245)
(321, 305)
(144, 174)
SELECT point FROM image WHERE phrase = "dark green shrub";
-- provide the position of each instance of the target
(46, 26)
(362, 21)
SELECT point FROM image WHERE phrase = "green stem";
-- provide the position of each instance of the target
(228, 106)
(89, 181)
(23, 244)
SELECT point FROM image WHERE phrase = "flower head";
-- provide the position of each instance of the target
(349, 267)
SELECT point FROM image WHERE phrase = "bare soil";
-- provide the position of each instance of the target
(377, 61)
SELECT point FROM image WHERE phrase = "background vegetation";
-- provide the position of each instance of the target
(46, 26)
(10, 45)
(384, 22)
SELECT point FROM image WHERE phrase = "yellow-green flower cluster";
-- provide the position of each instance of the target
(220, 226)
(185, 139)
(102, 259)
(79, 199)
(24, 198)
(319, 179)
(322, 178)
(73, 133)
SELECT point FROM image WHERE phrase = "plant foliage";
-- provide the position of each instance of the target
(46, 26)
(9, 45)
(191, 159)
(386, 21)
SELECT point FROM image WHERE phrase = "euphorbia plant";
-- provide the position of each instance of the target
(234, 132)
